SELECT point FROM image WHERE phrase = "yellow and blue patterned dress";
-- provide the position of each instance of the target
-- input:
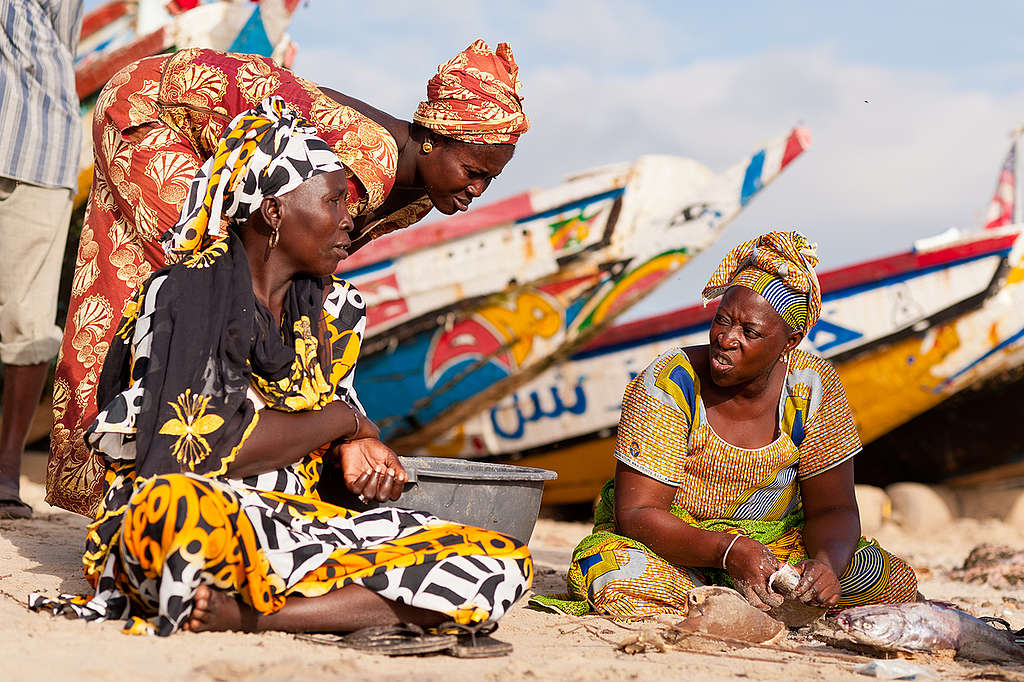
(664, 433)
(173, 520)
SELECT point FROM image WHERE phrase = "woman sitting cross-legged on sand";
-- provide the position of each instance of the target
(734, 457)
(228, 383)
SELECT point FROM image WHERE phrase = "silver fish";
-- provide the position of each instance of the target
(929, 627)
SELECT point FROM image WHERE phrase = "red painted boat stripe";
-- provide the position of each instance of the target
(101, 16)
(799, 140)
(420, 236)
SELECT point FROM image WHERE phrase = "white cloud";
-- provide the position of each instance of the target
(921, 154)
(606, 33)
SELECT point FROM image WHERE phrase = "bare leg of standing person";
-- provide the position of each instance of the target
(33, 231)
(23, 387)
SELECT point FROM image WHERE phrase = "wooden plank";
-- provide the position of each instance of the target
(101, 16)
(833, 280)
(999, 474)
(95, 74)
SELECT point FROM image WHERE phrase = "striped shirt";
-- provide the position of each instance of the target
(40, 123)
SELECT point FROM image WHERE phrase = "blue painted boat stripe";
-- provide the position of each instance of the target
(752, 178)
(610, 194)
(253, 37)
(366, 270)
(1007, 342)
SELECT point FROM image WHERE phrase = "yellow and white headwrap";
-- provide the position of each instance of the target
(266, 151)
(780, 267)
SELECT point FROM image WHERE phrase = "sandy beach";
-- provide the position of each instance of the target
(44, 555)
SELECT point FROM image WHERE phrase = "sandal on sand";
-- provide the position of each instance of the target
(404, 639)
(11, 506)
(475, 641)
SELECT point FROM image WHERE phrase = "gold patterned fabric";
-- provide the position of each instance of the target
(474, 97)
(265, 545)
(155, 123)
(777, 265)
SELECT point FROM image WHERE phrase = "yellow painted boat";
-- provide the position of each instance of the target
(904, 332)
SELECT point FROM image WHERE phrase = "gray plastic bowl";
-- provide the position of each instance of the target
(501, 497)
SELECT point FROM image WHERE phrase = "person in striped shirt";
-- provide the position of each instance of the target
(40, 133)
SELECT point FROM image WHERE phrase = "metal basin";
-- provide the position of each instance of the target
(501, 497)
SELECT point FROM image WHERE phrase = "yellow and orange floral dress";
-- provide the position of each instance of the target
(664, 433)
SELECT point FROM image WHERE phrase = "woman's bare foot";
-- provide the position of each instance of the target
(215, 610)
(345, 610)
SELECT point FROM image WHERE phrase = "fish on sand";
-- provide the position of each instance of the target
(929, 627)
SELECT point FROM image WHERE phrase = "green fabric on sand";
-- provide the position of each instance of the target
(576, 603)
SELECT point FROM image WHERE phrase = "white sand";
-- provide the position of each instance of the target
(44, 555)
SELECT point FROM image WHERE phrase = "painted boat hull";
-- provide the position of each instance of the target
(119, 33)
(463, 312)
(905, 333)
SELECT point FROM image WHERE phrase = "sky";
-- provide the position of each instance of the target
(910, 104)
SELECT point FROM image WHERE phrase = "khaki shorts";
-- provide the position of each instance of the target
(33, 230)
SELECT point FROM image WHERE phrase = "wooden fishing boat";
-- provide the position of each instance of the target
(465, 310)
(904, 332)
(121, 32)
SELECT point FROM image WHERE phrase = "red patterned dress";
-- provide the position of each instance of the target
(154, 125)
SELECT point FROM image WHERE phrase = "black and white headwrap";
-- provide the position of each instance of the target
(266, 151)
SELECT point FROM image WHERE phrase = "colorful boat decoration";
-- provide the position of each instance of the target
(121, 32)
(905, 332)
(464, 311)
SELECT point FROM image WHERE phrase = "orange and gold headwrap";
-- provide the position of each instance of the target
(475, 97)
(780, 267)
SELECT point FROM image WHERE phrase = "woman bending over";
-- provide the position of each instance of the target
(159, 119)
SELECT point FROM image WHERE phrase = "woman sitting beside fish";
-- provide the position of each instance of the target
(228, 384)
(735, 457)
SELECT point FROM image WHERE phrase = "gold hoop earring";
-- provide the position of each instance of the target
(275, 234)
(784, 358)
(427, 147)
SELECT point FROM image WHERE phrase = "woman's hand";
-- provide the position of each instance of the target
(751, 564)
(818, 584)
(371, 469)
